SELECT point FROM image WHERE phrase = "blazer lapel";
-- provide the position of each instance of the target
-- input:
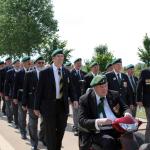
(51, 76)
(94, 104)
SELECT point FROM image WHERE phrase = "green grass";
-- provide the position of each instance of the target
(141, 113)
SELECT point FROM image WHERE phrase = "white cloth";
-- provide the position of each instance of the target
(57, 80)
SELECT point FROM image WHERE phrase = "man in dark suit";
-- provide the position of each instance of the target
(2, 64)
(99, 107)
(77, 76)
(94, 70)
(8, 65)
(109, 67)
(28, 100)
(12, 109)
(143, 98)
(132, 86)
(18, 93)
(54, 88)
(119, 81)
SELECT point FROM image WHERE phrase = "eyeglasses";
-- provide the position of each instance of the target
(41, 63)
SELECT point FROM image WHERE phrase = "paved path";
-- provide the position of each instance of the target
(10, 138)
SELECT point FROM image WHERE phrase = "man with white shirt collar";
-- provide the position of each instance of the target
(101, 107)
(133, 80)
(118, 81)
(94, 70)
(77, 76)
(53, 90)
(18, 93)
(11, 108)
(28, 100)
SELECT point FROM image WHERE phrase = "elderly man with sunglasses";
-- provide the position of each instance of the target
(29, 88)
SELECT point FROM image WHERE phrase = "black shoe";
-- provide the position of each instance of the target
(23, 136)
(34, 148)
(16, 126)
(76, 133)
(43, 142)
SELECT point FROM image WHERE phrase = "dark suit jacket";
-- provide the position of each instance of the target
(88, 78)
(123, 89)
(143, 88)
(3, 77)
(29, 88)
(76, 82)
(18, 85)
(46, 92)
(133, 94)
(9, 82)
(88, 113)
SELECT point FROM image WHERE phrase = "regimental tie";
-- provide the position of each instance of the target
(133, 84)
(101, 107)
(119, 79)
(60, 83)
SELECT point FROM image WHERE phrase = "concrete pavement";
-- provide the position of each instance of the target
(10, 137)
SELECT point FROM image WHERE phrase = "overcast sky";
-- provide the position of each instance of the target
(121, 24)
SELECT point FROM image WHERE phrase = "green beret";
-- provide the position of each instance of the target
(77, 59)
(93, 64)
(130, 66)
(116, 61)
(108, 65)
(57, 51)
(68, 64)
(8, 58)
(16, 60)
(38, 58)
(26, 58)
(2, 62)
(98, 80)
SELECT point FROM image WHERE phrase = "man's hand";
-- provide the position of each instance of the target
(37, 113)
(15, 101)
(104, 121)
(140, 104)
(76, 104)
(6, 98)
(24, 108)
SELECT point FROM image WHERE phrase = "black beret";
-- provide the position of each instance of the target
(116, 61)
(25, 58)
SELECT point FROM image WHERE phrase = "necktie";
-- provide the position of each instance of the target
(78, 72)
(133, 84)
(60, 83)
(119, 79)
(101, 107)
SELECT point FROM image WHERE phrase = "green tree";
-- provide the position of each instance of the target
(47, 48)
(25, 25)
(144, 53)
(102, 56)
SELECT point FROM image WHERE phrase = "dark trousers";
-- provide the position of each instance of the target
(9, 110)
(55, 127)
(4, 106)
(33, 128)
(15, 113)
(147, 133)
(22, 119)
(42, 130)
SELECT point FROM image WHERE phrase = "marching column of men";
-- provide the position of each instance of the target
(45, 92)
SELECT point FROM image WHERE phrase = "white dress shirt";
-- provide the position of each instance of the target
(57, 80)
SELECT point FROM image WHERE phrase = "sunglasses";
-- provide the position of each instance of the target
(41, 62)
